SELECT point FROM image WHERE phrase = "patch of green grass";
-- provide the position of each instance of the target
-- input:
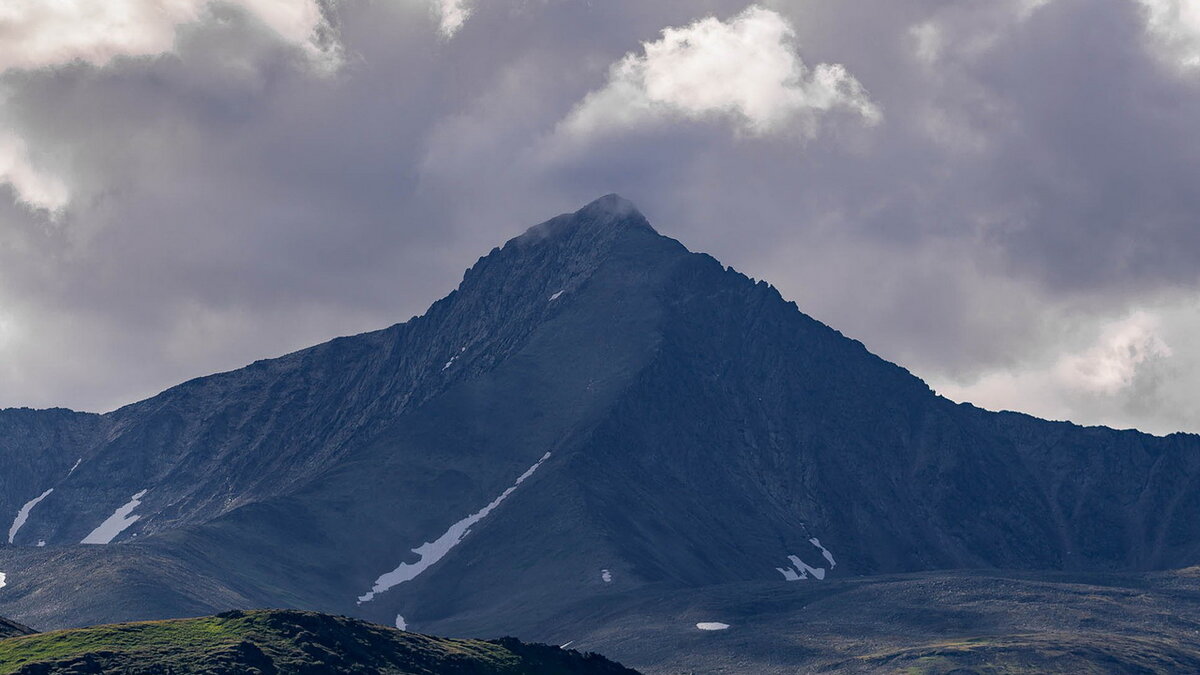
(164, 637)
(285, 641)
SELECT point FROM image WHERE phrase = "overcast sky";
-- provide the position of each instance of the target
(1001, 195)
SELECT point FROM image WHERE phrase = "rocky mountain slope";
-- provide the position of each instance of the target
(12, 628)
(972, 622)
(285, 643)
(595, 413)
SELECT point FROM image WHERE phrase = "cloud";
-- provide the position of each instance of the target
(37, 34)
(1120, 378)
(7, 330)
(452, 14)
(1175, 27)
(1111, 365)
(34, 186)
(223, 201)
(745, 69)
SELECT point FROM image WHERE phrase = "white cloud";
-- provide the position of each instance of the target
(1097, 384)
(745, 69)
(1175, 26)
(1111, 365)
(36, 33)
(452, 14)
(296, 21)
(34, 186)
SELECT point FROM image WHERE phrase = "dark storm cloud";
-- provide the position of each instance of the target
(1028, 185)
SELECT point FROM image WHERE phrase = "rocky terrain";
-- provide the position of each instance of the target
(12, 628)
(596, 418)
(984, 622)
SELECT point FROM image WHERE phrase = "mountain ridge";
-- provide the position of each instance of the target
(594, 223)
(680, 425)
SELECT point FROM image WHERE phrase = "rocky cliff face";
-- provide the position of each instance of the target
(38, 449)
(12, 629)
(596, 410)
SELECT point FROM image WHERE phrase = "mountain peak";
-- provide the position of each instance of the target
(612, 211)
(615, 207)
(607, 215)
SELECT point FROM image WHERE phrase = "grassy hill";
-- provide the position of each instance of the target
(280, 642)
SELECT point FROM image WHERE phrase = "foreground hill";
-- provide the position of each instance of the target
(284, 642)
(943, 623)
(595, 414)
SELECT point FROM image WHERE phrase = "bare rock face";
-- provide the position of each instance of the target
(595, 411)
(13, 629)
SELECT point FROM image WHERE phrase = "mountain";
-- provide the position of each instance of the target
(12, 628)
(594, 417)
(284, 642)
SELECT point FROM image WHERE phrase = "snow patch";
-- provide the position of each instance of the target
(801, 570)
(23, 514)
(712, 625)
(454, 358)
(805, 569)
(606, 576)
(789, 574)
(41, 543)
(433, 551)
(75, 466)
(3, 579)
(116, 523)
(824, 551)
(568, 644)
(555, 296)
(401, 623)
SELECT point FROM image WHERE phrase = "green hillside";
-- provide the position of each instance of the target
(282, 642)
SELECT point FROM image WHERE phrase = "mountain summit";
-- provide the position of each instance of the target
(595, 415)
(609, 211)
